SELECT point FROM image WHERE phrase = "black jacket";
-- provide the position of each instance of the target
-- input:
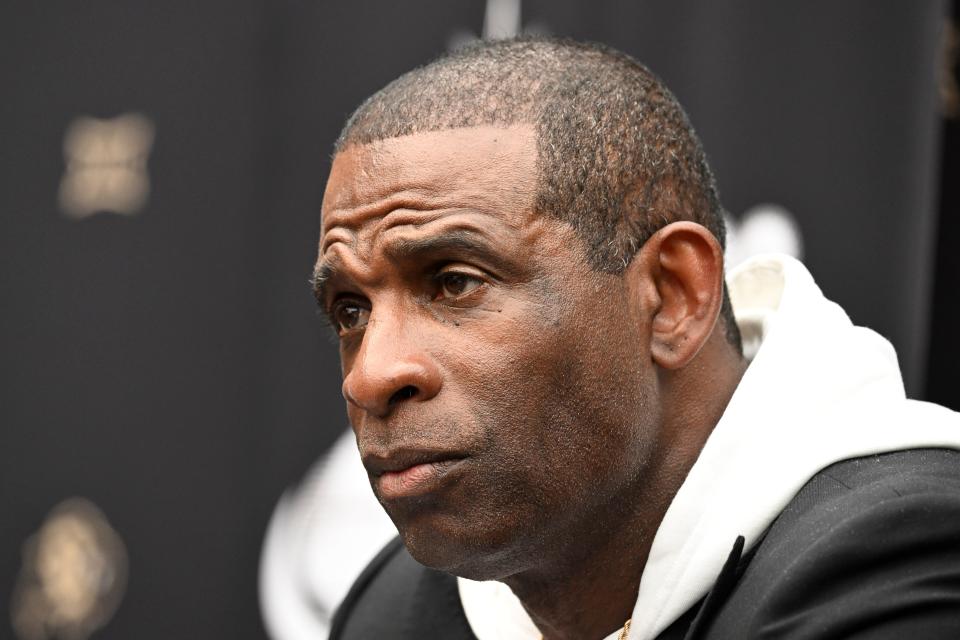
(869, 548)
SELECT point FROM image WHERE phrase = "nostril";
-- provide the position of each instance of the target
(403, 394)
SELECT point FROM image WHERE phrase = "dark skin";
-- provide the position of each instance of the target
(522, 416)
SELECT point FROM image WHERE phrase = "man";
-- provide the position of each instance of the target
(522, 254)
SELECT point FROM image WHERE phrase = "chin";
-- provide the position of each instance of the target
(466, 551)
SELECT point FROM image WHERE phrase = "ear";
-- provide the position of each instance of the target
(684, 262)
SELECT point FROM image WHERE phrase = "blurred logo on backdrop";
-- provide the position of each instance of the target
(106, 165)
(764, 228)
(73, 576)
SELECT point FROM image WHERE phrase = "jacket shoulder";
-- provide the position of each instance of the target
(869, 546)
(397, 598)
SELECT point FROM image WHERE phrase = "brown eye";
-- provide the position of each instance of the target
(454, 285)
(350, 316)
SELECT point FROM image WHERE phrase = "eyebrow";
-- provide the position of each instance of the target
(453, 240)
(408, 248)
(321, 276)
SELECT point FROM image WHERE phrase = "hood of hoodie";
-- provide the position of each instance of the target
(818, 390)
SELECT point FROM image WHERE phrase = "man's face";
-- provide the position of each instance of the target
(500, 389)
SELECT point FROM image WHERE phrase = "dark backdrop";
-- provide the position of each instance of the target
(170, 367)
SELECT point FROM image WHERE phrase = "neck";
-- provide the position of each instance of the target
(589, 591)
(592, 592)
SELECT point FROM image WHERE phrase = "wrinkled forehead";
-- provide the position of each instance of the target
(487, 168)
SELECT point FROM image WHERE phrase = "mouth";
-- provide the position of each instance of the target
(409, 473)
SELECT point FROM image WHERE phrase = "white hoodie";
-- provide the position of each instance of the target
(818, 390)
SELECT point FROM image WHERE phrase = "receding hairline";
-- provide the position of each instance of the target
(487, 82)
(526, 127)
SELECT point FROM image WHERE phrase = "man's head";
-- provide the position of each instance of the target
(617, 156)
(522, 251)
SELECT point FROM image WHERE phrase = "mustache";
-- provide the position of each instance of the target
(384, 446)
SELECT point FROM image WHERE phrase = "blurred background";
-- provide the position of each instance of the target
(165, 376)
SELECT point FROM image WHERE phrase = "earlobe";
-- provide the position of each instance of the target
(687, 270)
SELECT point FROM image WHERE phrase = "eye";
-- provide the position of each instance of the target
(349, 316)
(453, 284)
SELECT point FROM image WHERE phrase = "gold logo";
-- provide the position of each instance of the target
(73, 577)
(106, 165)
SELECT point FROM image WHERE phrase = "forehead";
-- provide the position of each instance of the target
(491, 170)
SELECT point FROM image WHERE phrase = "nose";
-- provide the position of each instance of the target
(391, 367)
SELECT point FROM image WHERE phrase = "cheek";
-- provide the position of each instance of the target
(562, 400)
(602, 422)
